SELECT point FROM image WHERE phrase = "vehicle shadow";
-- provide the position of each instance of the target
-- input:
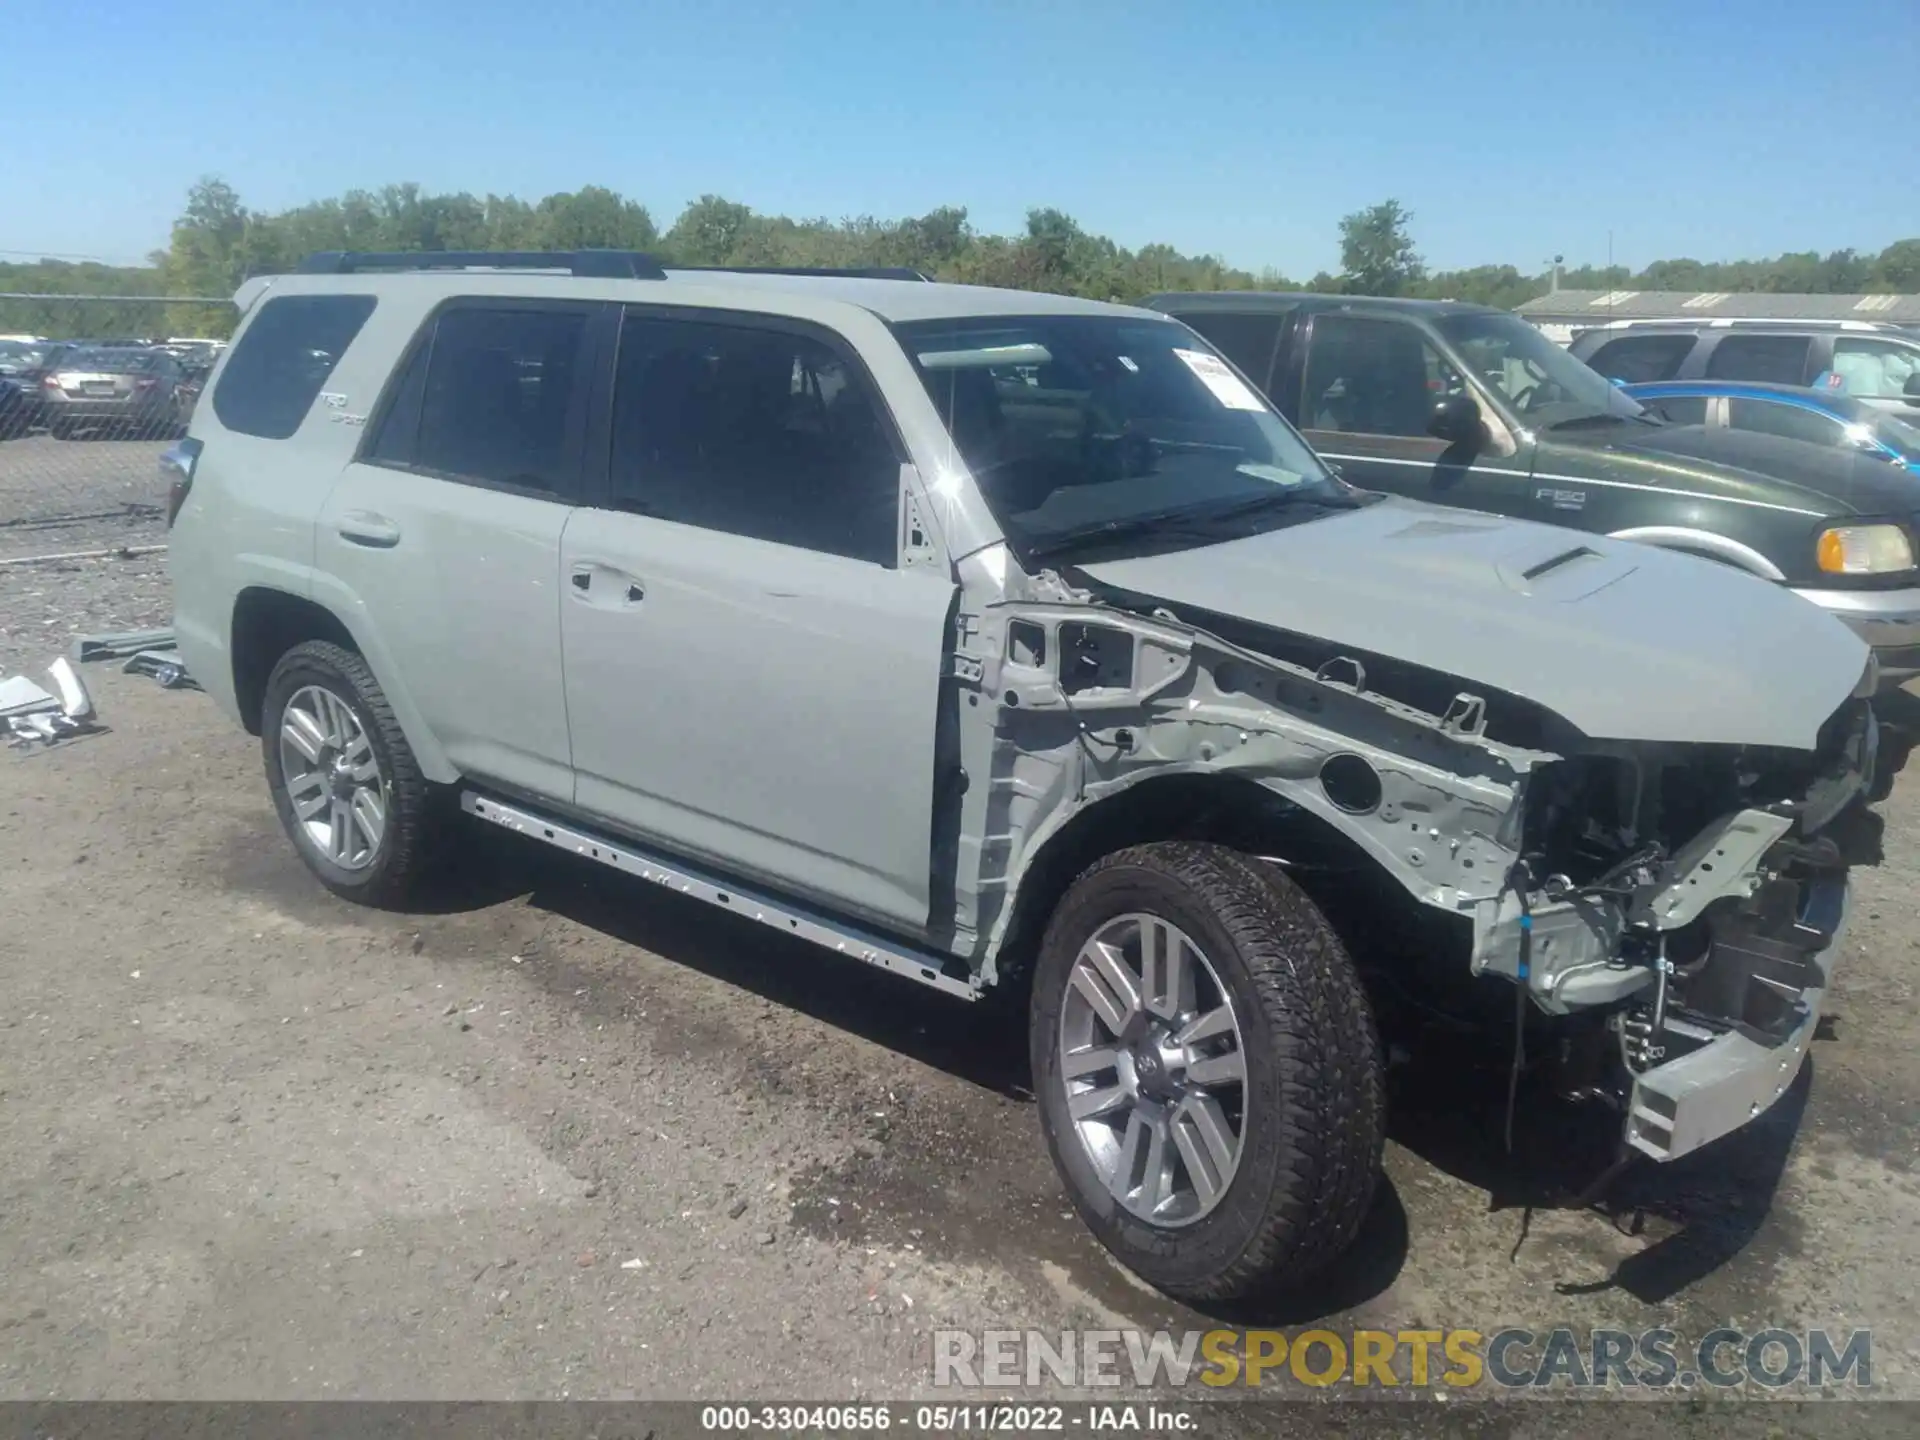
(1449, 1108)
(1447, 1096)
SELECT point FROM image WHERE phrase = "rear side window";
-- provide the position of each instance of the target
(1637, 359)
(1769, 359)
(283, 359)
(1679, 409)
(1246, 340)
(495, 395)
(1792, 422)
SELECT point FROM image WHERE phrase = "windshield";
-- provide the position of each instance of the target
(1091, 424)
(1541, 383)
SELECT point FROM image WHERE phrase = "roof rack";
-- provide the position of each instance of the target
(848, 272)
(593, 264)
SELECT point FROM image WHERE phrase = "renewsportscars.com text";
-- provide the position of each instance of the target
(1510, 1358)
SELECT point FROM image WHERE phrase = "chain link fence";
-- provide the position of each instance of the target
(92, 389)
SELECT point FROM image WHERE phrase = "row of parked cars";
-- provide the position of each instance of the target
(106, 388)
(1201, 673)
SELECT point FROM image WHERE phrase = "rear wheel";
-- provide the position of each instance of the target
(1208, 1074)
(343, 778)
(61, 429)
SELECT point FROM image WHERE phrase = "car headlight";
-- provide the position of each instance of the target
(1864, 550)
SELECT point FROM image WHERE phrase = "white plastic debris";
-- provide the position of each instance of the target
(40, 717)
(20, 696)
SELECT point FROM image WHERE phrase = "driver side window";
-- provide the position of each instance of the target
(1373, 377)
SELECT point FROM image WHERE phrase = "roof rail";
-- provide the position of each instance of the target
(849, 272)
(594, 264)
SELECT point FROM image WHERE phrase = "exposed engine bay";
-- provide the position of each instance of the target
(1667, 912)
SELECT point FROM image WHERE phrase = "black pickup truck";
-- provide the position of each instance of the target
(1470, 406)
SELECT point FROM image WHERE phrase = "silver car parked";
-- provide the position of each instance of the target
(119, 394)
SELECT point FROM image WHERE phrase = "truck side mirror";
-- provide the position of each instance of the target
(1457, 420)
(1912, 388)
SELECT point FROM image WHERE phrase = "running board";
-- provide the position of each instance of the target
(678, 876)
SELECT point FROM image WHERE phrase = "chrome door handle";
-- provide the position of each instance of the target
(364, 527)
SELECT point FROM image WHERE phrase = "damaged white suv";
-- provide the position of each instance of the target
(988, 637)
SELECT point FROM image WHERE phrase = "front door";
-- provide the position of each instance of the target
(752, 675)
(1368, 391)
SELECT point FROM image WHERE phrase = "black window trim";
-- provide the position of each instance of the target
(594, 375)
(597, 463)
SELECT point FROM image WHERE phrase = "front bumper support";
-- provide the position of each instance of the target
(1685, 1103)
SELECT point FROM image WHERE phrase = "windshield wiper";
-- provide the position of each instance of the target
(1188, 523)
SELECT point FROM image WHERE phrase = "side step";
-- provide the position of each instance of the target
(678, 876)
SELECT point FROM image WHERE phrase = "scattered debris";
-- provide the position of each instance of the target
(634, 1264)
(37, 716)
(20, 696)
(166, 666)
(737, 1209)
(119, 646)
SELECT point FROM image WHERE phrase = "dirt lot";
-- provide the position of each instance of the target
(562, 1136)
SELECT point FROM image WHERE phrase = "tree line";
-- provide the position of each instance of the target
(218, 241)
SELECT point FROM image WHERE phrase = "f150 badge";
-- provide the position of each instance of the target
(1562, 499)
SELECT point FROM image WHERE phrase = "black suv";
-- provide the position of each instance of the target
(1876, 363)
(1470, 406)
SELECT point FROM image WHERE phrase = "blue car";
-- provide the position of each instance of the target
(1817, 416)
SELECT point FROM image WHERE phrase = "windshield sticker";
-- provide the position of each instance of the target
(1128, 361)
(1228, 388)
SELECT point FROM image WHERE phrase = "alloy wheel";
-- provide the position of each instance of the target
(334, 783)
(1155, 1069)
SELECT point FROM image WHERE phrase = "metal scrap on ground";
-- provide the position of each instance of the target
(36, 716)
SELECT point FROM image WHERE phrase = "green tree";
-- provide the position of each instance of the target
(1376, 253)
(708, 231)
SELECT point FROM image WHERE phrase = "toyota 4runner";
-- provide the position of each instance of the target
(990, 637)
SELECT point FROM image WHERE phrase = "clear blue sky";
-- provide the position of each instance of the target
(1716, 129)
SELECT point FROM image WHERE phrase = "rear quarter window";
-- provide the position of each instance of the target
(283, 358)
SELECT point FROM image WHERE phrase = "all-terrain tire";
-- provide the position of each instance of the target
(418, 815)
(1313, 1115)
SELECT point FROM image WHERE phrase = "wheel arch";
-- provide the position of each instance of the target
(1705, 544)
(268, 622)
(1222, 809)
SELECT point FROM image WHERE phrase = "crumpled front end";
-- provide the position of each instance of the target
(1671, 909)
(1707, 950)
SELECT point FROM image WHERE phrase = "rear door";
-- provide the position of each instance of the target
(1367, 391)
(753, 674)
(444, 533)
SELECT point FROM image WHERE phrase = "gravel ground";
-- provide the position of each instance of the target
(556, 1135)
(61, 497)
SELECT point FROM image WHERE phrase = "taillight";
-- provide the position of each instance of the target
(177, 464)
(52, 382)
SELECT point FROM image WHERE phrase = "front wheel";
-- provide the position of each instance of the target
(1207, 1069)
(343, 778)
